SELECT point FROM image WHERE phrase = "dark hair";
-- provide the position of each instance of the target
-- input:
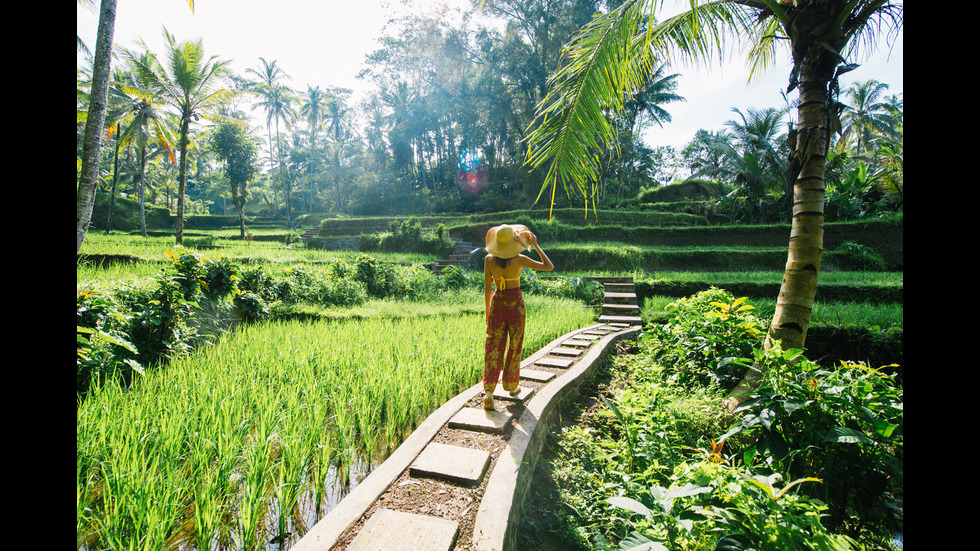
(502, 262)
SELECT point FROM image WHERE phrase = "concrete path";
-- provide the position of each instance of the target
(475, 465)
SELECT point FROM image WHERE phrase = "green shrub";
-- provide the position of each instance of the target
(709, 339)
(855, 256)
(101, 340)
(844, 425)
(454, 277)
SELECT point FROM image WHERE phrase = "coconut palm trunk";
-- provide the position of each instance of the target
(88, 180)
(613, 54)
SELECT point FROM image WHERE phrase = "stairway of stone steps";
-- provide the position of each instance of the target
(471, 465)
(619, 300)
(310, 234)
(461, 256)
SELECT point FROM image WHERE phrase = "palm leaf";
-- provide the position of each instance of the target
(604, 63)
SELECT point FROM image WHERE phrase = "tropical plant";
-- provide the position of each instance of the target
(844, 425)
(277, 101)
(867, 116)
(147, 125)
(189, 83)
(613, 53)
(232, 144)
(94, 123)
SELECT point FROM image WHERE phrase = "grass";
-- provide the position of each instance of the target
(151, 249)
(233, 441)
(824, 313)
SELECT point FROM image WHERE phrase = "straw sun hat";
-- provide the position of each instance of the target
(507, 240)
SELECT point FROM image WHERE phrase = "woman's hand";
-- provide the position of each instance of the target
(531, 239)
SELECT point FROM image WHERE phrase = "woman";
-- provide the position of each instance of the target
(505, 309)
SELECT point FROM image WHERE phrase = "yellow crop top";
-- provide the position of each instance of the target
(506, 283)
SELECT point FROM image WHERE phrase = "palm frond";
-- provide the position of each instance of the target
(600, 67)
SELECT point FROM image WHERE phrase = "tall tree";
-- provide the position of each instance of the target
(147, 125)
(88, 180)
(92, 141)
(868, 115)
(232, 144)
(613, 53)
(312, 110)
(191, 84)
(277, 100)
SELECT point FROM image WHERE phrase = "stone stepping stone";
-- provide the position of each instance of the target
(620, 296)
(566, 351)
(586, 337)
(621, 319)
(452, 463)
(554, 362)
(577, 342)
(524, 393)
(480, 420)
(537, 376)
(397, 531)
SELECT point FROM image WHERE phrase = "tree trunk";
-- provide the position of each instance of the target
(241, 219)
(794, 304)
(115, 177)
(92, 141)
(142, 188)
(185, 126)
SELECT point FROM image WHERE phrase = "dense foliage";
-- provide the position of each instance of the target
(446, 91)
(813, 460)
(196, 299)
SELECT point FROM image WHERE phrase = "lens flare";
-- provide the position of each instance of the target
(472, 175)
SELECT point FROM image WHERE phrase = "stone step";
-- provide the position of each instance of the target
(310, 233)
(619, 288)
(398, 531)
(575, 341)
(522, 395)
(621, 309)
(629, 320)
(605, 280)
(566, 351)
(553, 362)
(537, 376)
(453, 463)
(619, 298)
(480, 420)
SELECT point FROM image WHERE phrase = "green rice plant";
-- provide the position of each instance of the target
(225, 444)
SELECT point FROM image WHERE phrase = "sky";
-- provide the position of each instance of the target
(324, 43)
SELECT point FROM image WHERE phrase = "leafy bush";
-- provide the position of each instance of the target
(843, 425)
(101, 339)
(855, 256)
(454, 277)
(408, 236)
(709, 338)
(665, 465)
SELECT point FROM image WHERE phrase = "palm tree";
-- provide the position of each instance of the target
(189, 83)
(277, 100)
(614, 52)
(868, 115)
(146, 124)
(94, 124)
(312, 111)
(658, 91)
(754, 152)
(336, 110)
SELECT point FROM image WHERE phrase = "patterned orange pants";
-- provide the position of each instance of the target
(504, 326)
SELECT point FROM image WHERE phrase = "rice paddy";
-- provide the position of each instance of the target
(241, 443)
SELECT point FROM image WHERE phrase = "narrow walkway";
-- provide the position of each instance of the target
(457, 482)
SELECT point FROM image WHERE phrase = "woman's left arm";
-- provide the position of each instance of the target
(486, 284)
